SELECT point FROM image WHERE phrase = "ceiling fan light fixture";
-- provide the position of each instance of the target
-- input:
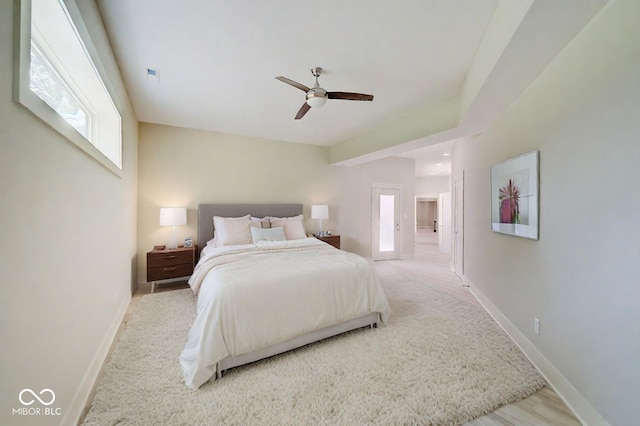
(317, 96)
(315, 99)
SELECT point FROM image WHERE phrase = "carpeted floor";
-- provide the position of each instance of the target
(439, 361)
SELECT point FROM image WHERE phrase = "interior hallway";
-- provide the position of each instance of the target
(429, 264)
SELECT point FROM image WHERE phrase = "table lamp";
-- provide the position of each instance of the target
(173, 216)
(320, 211)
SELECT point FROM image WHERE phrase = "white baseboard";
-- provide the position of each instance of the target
(85, 390)
(581, 408)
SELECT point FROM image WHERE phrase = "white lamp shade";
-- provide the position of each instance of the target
(173, 216)
(319, 211)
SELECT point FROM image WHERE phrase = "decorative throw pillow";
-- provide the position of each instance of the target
(267, 234)
(260, 222)
(232, 230)
(293, 227)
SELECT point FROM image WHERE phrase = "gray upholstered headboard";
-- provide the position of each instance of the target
(206, 212)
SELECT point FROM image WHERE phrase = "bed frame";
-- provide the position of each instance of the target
(206, 212)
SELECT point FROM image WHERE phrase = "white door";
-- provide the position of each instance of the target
(444, 222)
(458, 224)
(385, 217)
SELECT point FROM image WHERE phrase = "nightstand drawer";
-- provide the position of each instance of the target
(170, 264)
(166, 272)
(169, 259)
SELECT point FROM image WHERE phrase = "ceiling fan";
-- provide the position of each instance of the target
(317, 96)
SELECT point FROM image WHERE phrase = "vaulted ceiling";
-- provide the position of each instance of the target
(438, 69)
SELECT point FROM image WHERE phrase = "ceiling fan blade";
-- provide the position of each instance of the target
(303, 110)
(349, 96)
(293, 83)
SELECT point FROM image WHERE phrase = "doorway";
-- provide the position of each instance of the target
(427, 213)
(385, 221)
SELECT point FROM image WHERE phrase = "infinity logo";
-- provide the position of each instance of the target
(33, 394)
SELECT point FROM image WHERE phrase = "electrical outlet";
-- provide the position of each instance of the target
(536, 325)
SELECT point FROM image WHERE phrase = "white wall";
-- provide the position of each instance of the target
(431, 186)
(184, 167)
(356, 198)
(581, 279)
(68, 246)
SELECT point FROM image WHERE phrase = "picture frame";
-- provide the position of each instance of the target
(515, 196)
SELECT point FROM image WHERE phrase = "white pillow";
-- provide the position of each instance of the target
(232, 230)
(267, 234)
(293, 227)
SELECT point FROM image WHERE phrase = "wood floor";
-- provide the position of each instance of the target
(543, 408)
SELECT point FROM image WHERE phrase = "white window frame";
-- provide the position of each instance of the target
(105, 145)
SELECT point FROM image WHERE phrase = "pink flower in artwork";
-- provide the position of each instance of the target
(509, 197)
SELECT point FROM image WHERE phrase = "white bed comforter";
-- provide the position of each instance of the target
(254, 296)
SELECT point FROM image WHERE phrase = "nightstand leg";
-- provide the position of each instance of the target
(153, 286)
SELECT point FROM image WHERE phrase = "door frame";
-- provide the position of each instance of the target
(375, 214)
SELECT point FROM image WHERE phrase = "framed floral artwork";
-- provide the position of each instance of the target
(514, 196)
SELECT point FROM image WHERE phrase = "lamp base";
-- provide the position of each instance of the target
(173, 242)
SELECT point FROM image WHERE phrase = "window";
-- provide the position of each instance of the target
(59, 82)
(45, 82)
(387, 223)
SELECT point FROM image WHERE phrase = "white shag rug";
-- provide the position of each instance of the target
(440, 361)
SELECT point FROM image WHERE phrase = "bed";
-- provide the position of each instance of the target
(260, 299)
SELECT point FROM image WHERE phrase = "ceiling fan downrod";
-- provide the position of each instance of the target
(316, 73)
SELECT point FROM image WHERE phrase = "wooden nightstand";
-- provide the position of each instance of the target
(169, 265)
(334, 240)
